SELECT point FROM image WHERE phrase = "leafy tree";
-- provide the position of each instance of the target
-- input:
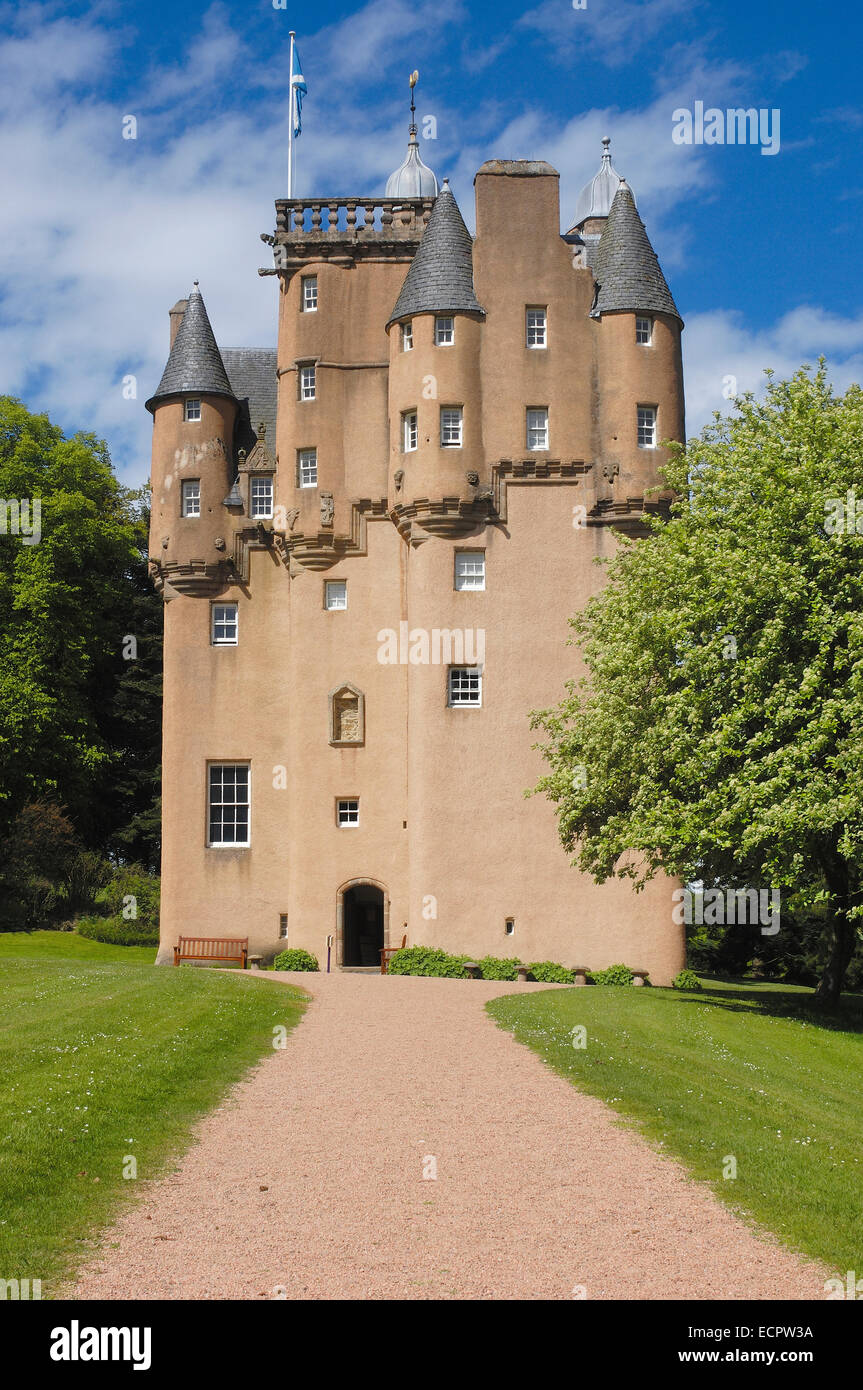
(79, 724)
(719, 732)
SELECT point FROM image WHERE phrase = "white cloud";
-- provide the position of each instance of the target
(613, 34)
(720, 353)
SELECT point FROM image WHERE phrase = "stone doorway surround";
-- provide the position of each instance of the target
(340, 912)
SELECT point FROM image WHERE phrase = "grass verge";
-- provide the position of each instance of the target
(105, 1058)
(744, 1072)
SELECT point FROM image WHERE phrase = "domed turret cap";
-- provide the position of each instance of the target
(596, 198)
(413, 179)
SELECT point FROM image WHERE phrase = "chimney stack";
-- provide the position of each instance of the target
(176, 317)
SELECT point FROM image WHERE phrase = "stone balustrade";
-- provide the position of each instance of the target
(351, 219)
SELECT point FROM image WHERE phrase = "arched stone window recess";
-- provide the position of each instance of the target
(347, 715)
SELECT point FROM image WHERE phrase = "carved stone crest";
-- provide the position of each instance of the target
(327, 509)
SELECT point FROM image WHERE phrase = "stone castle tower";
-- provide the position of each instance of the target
(370, 542)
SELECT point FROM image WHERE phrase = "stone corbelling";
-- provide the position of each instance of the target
(320, 549)
(197, 578)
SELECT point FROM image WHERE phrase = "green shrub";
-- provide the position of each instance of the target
(427, 960)
(131, 890)
(548, 972)
(614, 975)
(296, 959)
(496, 968)
(686, 979)
(117, 932)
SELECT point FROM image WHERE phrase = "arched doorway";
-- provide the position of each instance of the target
(362, 923)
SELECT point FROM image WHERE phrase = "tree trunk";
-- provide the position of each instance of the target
(841, 934)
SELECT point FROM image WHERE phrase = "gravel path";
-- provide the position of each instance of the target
(308, 1181)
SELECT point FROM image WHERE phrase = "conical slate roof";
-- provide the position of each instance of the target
(627, 273)
(195, 363)
(440, 279)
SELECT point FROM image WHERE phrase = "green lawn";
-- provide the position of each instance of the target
(744, 1070)
(103, 1057)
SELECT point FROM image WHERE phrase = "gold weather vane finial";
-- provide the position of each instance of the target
(413, 79)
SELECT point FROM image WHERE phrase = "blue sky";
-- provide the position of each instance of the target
(100, 235)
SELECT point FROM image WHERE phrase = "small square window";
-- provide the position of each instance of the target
(644, 331)
(335, 593)
(536, 325)
(451, 426)
(407, 337)
(308, 382)
(228, 800)
(307, 467)
(310, 294)
(224, 624)
(465, 685)
(192, 410)
(470, 569)
(444, 332)
(262, 497)
(348, 811)
(647, 427)
(537, 427)
(191, 504)
(410, 431)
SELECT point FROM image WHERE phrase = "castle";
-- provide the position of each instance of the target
(370, 542)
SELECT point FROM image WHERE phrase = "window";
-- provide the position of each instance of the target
(283, 926)
(537, 427)
(192, 410)
(509, 926)
(224, 624)
(647, 427)
(348, 811)
(444, 332)
(465, 685)
(470, 569)
(310, 294)
(407, 337)
(307, 467)
(536, 327)
(335, 593)
(229, 804)
(644, 331)
(191, 497)
(262, 497)
(450, 426)
(410, 431)
(308, 382)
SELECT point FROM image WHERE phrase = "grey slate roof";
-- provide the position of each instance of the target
(440, 279)
(625, 267)
(252, 374)
(195, 363)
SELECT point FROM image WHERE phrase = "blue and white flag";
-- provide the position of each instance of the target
(298, 91)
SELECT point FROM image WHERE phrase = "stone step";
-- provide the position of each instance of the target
(359, 969)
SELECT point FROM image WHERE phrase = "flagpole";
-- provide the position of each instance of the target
(291, 121)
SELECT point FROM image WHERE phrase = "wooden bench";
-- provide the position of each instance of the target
(215, 948)
(388, 951)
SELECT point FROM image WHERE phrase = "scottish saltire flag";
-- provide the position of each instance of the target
(298, 91)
